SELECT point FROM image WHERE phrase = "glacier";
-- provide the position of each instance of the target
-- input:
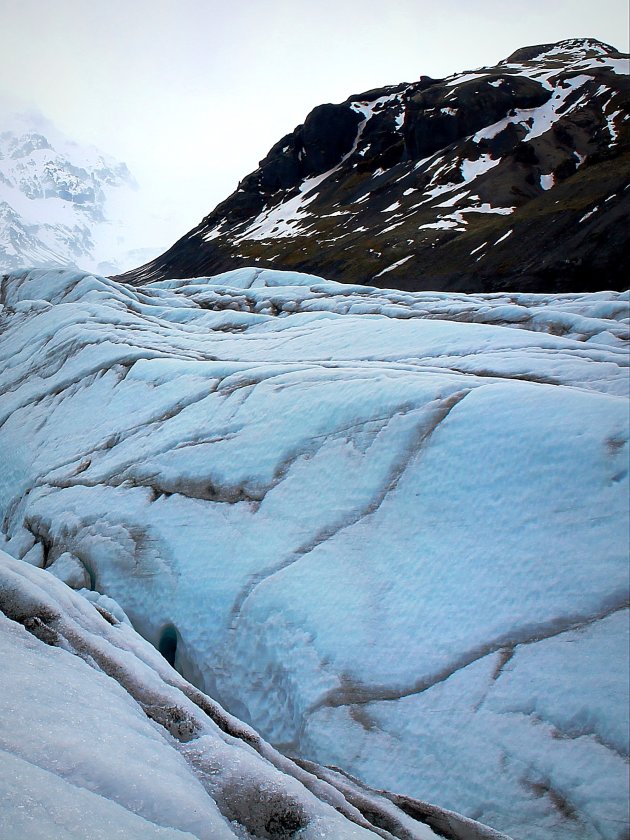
(388, 530)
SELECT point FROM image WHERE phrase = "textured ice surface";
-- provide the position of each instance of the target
(100, 738)
(387, 529)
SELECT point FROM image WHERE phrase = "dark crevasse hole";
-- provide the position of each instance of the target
(168, 644)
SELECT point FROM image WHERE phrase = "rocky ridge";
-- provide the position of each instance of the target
(511, 177)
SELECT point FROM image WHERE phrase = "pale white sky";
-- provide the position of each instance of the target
(192, 94)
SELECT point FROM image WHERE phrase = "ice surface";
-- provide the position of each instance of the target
(388, 529)
(100, 738)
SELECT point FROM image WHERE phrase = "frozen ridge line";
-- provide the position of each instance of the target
(389, 530)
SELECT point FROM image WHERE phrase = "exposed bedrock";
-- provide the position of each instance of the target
(441, 115)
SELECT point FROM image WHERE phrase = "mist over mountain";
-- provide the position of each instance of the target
(513, 176)
(66, 204)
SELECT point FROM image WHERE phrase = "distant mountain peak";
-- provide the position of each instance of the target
(62, 203)
(22, 145)
(575, 47)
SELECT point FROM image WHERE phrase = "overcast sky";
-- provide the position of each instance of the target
(191, 94)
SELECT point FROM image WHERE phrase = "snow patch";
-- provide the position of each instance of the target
(393, 266)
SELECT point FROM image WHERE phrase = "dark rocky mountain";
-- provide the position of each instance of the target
(515, 176)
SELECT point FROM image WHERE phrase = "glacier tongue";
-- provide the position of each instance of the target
(389, 530)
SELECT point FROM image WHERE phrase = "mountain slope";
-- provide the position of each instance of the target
(515, 176)
(388, 530)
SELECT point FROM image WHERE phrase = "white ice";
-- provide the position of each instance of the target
(390, 528)
(101, 738)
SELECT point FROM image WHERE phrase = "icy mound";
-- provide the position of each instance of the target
(165, 761)
(263, 278)
(389, 530)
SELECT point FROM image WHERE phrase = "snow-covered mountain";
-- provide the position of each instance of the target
(64, 204)
(388, 530)
(512, 176)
